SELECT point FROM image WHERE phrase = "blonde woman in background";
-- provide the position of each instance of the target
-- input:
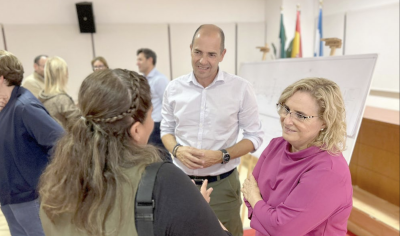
(57, 102)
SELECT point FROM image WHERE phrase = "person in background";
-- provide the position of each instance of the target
(35, 81)
(203, 113)
(99, 63)
(90, 185)
(146, 62)
(301, 184)
(54, 97)
(27, 136)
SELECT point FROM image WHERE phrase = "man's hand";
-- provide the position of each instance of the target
(212, 157)
(251, 191)
(191, 157)
(3, 101)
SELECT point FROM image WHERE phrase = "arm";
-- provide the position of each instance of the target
(255, 175)
(317, 196)
(180, 208)
(249, 119)
(252, 131)
(212, 157)
(67, 107)
(206, 195)
(41, 126)
(189, 156)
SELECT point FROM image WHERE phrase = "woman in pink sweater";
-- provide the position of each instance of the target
(301, 184)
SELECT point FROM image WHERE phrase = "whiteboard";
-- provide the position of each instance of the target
(353, 74)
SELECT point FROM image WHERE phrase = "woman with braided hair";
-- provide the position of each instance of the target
(90, 185)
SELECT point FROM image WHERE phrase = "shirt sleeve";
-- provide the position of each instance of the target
(180, 208)
(41, 126)
(168, 123)
(316, 197)
(249, 119)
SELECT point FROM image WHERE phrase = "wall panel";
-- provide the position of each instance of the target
(376, 30)
(65, 41)
(118, 44)
(250, 36)
(333, 27)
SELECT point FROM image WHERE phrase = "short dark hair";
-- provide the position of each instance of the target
(37, 59)
(11, 68)
(148, 53)
(221, 33)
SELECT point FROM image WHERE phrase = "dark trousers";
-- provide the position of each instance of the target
(155, 140)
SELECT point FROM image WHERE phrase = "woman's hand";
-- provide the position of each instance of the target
(204, 191)
(251, 191)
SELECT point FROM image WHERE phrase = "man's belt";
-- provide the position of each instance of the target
(198, 180)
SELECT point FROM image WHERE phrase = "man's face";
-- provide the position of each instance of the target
(144, 64)
(39, 67)
(206, 55)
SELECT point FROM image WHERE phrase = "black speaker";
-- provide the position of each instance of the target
(85, 17)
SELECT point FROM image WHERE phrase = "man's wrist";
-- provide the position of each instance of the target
(225, 156)
(175, 149)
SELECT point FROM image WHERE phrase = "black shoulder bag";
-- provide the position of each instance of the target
(144, 202)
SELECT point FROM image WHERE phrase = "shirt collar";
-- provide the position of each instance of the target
(218, 79)
(152, 73)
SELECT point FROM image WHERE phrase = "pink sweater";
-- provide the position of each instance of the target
(304, 193)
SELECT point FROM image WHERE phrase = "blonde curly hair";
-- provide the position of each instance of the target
(331, 110)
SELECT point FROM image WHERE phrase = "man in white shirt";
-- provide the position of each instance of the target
(202, 115)
(35, 81)
(146, 62)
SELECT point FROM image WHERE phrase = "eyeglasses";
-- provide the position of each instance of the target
(98, 67)
(283, 111)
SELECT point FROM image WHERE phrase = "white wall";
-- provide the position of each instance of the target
(376, 30)
(133, 11)
(50, 12)
(1, 38)
(372, 26)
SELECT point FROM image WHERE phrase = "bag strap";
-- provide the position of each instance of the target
(144, 202)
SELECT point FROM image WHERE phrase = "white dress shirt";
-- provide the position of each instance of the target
(210, 118)
(158, 82)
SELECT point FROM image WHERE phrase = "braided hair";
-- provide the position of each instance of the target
(86, 174)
